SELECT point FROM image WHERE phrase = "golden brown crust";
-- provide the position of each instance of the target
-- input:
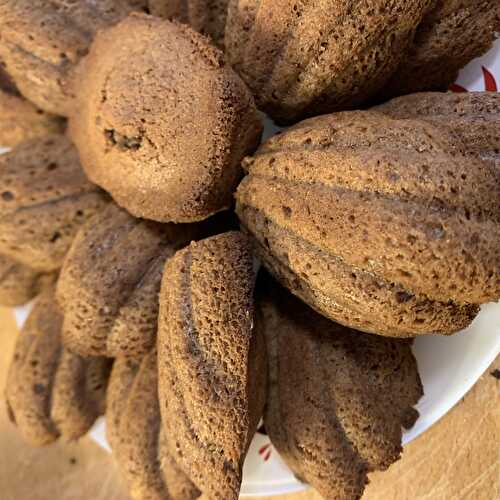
(211, 377)
(45, 198)
(21, 121)
(303, 58)
(19, 283)
(42, 42)
(109, 284)
(337, 399)
(173, 152)
(380, 224)
(453, 33)
(133, 428)
(50, 391)
(169, 9)
(205, 16)
(474, 117)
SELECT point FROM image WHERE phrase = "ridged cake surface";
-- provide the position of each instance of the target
(211, 362)
(304, 58)
(21, 121)
(474, 117)
(337, 399)
(383, 225)
(50, 391)
(19, 283)
(133, 427)
(41, 43)
(205, 16)
(44, 199)
(453, 33)
(109, 284)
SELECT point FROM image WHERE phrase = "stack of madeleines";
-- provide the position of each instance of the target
(138, 202)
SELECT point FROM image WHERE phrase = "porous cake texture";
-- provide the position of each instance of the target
(474, 117)
(380, 224)
(50, 391)
(109, 284)
(134, 431)
(452, 33)
(164, 136)
(337, 399)
(44, 199)
(211, 362)
(19, 283)
(41, 43)
(309, 57)
(21, 121)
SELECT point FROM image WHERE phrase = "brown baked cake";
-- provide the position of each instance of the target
(21, 121)
(452, 34)
(211, 364)
(109, 284)
(205, 16)
(169, 9)
(165, 135)
(50, 391)
(337, 399)
(308, 58)
(133, 427)
(41, 42)
(19, 283)
(382, 225)
(473, 116)
(44, 199)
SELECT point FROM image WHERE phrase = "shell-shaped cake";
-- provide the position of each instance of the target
(337, 399)
(473, 116)
(452, 34)
(109, 284)
(41, 43)
(205, 16)
(380, 224)
(19, 283)
(164, 136)
(21, 121)
(50, 391)
(311, 57)
(133, 427)
(211, 363)
(44, 199)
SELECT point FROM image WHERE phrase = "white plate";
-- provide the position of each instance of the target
(449, 366)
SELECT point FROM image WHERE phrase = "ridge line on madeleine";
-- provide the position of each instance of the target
(356, 297)
(474, 117)
(21, 120)
(450, 35)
